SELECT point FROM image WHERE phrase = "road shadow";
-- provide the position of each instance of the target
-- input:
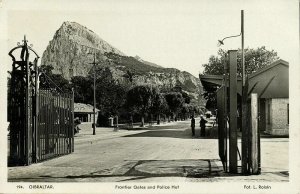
(153, 127)
(185, 134)
(173, 133)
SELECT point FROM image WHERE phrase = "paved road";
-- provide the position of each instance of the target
(159, 153)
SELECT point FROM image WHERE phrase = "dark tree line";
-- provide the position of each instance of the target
(125, 100)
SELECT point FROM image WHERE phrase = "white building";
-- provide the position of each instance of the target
(85, 112)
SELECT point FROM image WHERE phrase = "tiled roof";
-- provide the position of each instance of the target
(83, 108)
(271, 81)
(278, 62)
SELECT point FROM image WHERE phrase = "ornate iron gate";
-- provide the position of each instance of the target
(55, 125)
(41, 121)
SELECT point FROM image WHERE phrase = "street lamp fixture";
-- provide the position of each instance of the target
(221, 42)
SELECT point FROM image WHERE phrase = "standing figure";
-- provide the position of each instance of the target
(193, 126)
(76, 123)
(202, 126)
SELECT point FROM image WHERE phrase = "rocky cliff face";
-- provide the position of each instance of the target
(71, 50)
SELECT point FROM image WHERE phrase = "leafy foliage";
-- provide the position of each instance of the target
(110, 93)
(254, 60)
(159, 104)
(186, 97)
(140, 99)
(143, 99)
(175, 101)
(83, 89)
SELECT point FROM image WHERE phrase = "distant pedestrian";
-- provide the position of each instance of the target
(77, 122)
(202, 126)
(193, 126)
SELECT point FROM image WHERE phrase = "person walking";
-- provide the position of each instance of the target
(202, 126)
(193, 126)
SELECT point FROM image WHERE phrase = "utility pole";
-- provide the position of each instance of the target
(245, 134)
(94, 108)
(243, 54)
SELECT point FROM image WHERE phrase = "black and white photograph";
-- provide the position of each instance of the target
(133, 96)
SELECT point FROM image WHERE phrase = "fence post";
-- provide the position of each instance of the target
(254, 134)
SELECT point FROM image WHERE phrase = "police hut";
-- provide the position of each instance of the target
(267, 111)
(85, 112)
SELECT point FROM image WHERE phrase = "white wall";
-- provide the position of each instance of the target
(277, 110)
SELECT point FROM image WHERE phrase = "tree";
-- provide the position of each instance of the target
(83, 89)
(159, 105)
(175, 102)
(140, 99)
(186, 97)
(110, 93)
(254, 60)
(185, 111)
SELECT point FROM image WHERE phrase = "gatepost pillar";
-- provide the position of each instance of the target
(232, 111)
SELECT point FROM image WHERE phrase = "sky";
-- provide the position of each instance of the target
(179, 34)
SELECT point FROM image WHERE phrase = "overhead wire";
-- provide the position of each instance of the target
(49, 79)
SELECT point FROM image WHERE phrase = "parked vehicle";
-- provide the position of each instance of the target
(211, 122)
(208, 114)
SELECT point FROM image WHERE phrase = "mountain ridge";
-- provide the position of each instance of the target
(70, 54)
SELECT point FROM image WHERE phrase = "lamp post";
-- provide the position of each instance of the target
(245, 134)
